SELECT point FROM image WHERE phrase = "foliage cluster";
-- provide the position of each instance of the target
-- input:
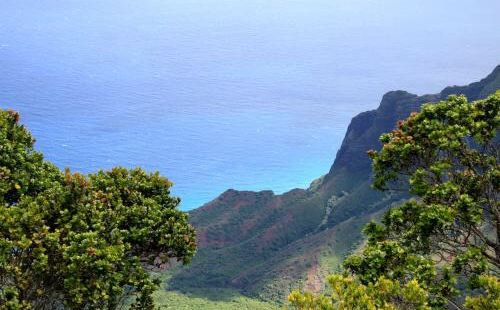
(69, 240)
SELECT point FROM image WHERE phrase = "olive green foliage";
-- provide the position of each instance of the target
(488, 301)
(350, 293)
(424, 251)
(81, 242)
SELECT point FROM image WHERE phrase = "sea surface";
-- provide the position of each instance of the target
(218, 94)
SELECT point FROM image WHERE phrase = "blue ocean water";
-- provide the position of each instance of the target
(217, 94)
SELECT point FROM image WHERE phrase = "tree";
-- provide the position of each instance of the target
(349, 293)
(81, 242)
(446, 238)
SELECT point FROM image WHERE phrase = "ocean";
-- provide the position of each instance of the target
(218, 94)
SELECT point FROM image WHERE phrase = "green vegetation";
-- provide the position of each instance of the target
(349, 293)
(68, 240)
(443, 245)
(205, 298)
(209, 300)
(250, 246)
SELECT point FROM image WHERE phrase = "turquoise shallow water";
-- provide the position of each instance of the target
(217, 94)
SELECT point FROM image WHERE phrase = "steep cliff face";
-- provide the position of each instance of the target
(265, 244)
(351, 170)
(365, 129)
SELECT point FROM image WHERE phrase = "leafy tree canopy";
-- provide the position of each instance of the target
(441, 248)
(81, 242)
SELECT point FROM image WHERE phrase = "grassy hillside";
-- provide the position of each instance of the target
(207, 299)
(263, 245)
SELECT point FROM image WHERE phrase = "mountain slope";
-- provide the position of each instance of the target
(263, 244)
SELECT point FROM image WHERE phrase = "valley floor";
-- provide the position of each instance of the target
(207, 299)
